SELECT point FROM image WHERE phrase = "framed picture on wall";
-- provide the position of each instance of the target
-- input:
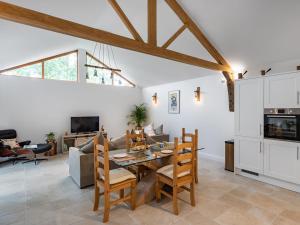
(174, 102)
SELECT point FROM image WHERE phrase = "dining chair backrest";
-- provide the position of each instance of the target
(183, 163)
(134, 139)
(186, 137)
(101, 161)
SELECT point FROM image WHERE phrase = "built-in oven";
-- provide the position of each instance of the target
(282, 124)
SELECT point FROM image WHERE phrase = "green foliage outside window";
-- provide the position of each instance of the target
(34, 70)
(62, 68)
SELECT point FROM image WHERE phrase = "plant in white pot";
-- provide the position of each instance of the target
(138, 116)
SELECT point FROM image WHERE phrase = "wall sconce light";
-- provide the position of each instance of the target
(264, 72)
(197, 94)
(154, 98)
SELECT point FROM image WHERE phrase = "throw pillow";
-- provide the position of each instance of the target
(11, 142)
(88, 147)
(84, 144)
(149, 130)
(159, 130)
(118, 142)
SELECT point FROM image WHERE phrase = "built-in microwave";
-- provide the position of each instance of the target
(282, 124)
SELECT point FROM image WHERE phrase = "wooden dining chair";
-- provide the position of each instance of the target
(116, 180)
(134, 140)
(185, 137)
(178, 175)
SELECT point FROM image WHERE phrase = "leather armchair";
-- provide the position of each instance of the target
(6, 151)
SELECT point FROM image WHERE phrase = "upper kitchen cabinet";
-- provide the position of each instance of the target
(249, 108)
(282, 91)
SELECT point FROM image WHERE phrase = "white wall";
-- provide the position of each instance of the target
(211, 116)
(35, 107)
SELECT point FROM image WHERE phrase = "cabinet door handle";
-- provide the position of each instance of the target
(260, 147)
(297, 152)
(259, 129)
(298, 97)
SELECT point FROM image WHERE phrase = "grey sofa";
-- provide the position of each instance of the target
(81, 165)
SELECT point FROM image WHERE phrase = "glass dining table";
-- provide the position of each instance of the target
(153, 156)
(125, 157)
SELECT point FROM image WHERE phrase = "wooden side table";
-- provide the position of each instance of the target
(53, 150)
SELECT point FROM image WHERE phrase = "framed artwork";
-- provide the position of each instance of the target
(174, 102)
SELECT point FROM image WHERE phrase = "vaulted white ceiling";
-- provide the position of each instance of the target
(248, 32)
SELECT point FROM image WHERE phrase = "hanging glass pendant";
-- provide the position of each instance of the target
(87, 76)
(95, 73)
(120, 82)
(112, 75)
(103, 82)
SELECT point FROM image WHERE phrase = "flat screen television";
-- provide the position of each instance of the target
(84, 124)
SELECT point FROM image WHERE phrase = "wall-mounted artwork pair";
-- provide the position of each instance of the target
(174, 102)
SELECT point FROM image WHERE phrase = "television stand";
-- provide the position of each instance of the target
(73, 140)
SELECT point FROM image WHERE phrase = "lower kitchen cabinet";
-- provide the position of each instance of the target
(282, 160)
(249, 154)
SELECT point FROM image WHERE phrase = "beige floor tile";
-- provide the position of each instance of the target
(46, 195)
(235, 202)
(237, 217)
(291, 215)
(284, 221)
(196, 218)
(211, 209)
(266, 202)
(262, 215)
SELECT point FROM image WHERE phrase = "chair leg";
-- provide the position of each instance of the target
(97, 196)
(157, 189)
(175, 206)
(192, 194)
(196, 170)
(106, 207)
(133, 195)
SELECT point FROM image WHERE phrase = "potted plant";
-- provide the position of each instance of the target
(138, 116)
(50, 137)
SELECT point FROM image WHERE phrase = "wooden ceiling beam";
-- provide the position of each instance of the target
(40, 20)
(185, 18)
(174, 36)
(125, 20)
(152, 22)
(196, 31)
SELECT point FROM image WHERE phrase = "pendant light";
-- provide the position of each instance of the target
(95, 73)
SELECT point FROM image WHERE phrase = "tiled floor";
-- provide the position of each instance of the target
(46, 195)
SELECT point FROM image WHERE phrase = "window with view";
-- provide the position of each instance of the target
(104, 77)
(59, 67)
(34, 70)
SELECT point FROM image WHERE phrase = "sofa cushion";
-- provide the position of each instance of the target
(168, 171)
(149, 130)
(119, 175)
(118, 143)
(88, 147)
(159, 130)
(10, 142)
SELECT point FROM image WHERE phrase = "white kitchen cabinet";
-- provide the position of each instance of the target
(249, 108)
(282, 160)
(249, 154)
(282, 91)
